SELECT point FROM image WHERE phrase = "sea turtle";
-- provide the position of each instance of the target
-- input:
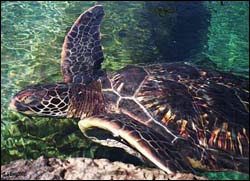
(178, 116)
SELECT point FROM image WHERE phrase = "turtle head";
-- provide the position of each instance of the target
(42, 100)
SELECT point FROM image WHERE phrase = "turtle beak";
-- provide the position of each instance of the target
(12, 104)
(17, 106)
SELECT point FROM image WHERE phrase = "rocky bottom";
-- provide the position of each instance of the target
(84, 169)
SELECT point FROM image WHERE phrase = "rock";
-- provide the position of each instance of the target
(84, 169)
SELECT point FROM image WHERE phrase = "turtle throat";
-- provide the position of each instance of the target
(85, 101)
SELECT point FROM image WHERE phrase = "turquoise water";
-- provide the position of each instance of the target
(32, 34)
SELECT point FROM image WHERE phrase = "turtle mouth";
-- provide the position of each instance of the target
(16, 106)
(12, 105)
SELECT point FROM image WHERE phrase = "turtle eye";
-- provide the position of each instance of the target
(29, 100)
(22, 98)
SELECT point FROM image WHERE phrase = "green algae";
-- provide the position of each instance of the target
(228, 37)
(225, 175)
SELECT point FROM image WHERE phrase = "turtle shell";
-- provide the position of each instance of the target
(207, 107)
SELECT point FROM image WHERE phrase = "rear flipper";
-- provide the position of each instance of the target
(144, 140)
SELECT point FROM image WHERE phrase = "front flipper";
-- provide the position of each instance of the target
(82, 53)
(146, 141)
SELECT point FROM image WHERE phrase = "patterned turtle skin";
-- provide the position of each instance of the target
(178, 116)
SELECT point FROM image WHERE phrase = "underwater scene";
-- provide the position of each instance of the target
(212, 35)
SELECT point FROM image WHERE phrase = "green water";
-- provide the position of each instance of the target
(32, 34)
